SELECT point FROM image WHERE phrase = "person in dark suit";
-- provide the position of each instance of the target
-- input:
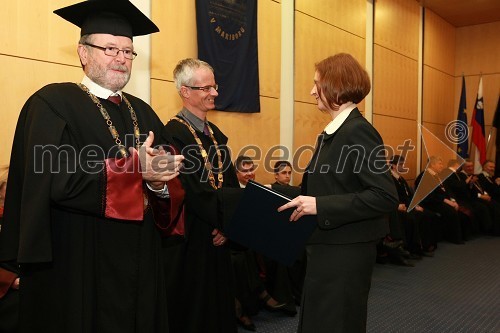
(348, 187)
(481, 195)
(477, 211)
(488, 181)
(418, 224)
(441, 200)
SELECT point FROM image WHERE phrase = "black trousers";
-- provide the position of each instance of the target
(336, 287)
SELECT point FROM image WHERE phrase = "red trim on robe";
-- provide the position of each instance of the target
(169, 213)
(7, 278)
(124, 195)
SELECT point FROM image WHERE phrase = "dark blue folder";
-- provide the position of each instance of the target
(258, 225)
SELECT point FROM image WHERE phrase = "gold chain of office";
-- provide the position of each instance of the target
(111, 127)
(204, 155)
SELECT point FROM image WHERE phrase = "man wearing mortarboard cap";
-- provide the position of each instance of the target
(77, 218)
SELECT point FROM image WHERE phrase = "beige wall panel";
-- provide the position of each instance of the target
(309, 123)
(438, 96)
(257, 131)
(29, 76)
(269, 44)
(395, 85)
(478, 49)
(397, 26)
(177, 37)
(314, 41)
(164, 99)
(436, 143)
(346, 15)
(395, 132)
(37, 32)
(439, 43)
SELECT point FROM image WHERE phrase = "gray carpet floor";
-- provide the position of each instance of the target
(456, 291)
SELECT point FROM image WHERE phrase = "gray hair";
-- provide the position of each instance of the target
(85, 39)
(184, 71)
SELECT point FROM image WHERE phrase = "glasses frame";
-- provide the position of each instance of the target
(105, 49)
(206, 89)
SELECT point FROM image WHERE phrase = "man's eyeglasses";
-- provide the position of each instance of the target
(113, 51)
(205, 88)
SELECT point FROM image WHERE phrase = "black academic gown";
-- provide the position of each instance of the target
(85, 266)
(207, 298)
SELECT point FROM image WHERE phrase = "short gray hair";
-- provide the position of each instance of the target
(184, 71)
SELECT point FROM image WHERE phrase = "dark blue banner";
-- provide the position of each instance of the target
(227, 40)
(462, 128)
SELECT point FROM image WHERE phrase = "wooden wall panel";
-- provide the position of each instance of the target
(316, 40)
(438, 92)
(164, 99)
(257, 132)
(395, 132)
(269, 39)
(395, 85)
(29, 76)
(346, 15)
(436, 143)
(29, 29)
(309, 122)
(478, 49)
(397, 26)
(439, 43)
(176, 39)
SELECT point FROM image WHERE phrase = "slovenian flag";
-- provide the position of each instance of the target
(478, 138)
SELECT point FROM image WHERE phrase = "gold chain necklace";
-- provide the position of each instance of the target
(112, 129)
(208, 165)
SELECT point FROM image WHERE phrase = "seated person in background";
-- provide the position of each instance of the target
(441, 201)
(476, 211)
(418, 225)
(249, 288)
(282, 172)
(479, 194)
(285, 283)
(488, 181)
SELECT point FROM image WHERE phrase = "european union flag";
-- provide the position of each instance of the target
(462, 131)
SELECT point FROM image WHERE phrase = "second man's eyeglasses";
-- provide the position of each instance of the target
(205, 88)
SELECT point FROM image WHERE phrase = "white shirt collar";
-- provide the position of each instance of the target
(334, 125)
(97, 90)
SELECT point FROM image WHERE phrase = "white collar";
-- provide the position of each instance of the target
(334, 125)
(97, 90)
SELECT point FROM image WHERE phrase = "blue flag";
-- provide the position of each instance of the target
(227, 40)
(462, 131)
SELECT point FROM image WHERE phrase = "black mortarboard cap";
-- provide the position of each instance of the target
(115, 17)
